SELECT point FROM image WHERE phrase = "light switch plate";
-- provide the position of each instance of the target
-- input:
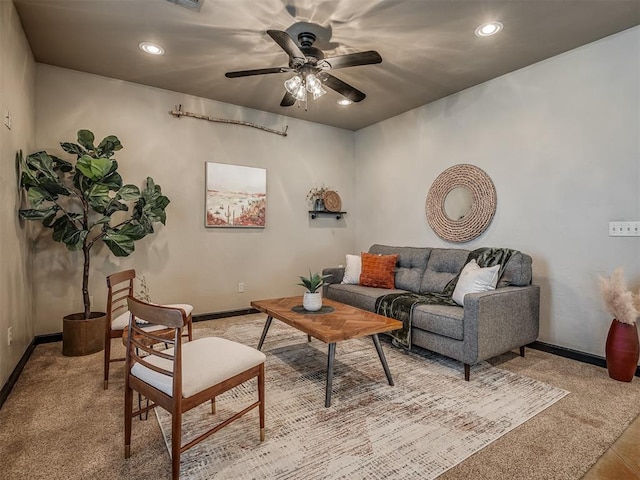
(624, 229)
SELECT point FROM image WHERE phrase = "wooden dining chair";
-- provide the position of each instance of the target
(185, 375)
(119, 287)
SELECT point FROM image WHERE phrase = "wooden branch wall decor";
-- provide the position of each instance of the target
(178, 112)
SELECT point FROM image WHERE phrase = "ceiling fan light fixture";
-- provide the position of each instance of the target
(293, 84)
(151, 48)
(300, 94)
(488, 29)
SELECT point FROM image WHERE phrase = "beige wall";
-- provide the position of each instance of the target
(17, 93)
(561, 141)
(184, 261)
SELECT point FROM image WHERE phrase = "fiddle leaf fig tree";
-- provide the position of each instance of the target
(87, 202)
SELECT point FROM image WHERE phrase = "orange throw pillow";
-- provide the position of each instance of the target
(378, 270)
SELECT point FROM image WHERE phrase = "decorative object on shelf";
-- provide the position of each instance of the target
(622, 347)
(77, 202)
(332, 201)
(236, 196)
(461, 203)
(312, 300)
(315, 213)
(316, 197)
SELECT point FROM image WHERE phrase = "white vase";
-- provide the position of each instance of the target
(312, 301)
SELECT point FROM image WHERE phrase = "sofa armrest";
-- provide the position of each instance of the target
(500, 320)
(337, 274)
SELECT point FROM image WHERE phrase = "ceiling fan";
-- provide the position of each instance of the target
(312, 68)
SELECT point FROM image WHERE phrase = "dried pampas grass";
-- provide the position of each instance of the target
(620, 302)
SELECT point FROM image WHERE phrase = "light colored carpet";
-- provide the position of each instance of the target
(428, 422)
(58, 422)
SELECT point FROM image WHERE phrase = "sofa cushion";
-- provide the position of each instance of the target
(442, 266)
(443, 320)
(517, 271)
(357, 295)
(412, 262)
(474, 279)
(352, 270)
(378, 270)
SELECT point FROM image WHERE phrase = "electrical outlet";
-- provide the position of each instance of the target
(241, 287)
(624, 229)
(9, 336)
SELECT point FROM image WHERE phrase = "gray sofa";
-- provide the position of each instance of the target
(489, 324)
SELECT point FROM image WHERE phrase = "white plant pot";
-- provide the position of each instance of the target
(312, 301)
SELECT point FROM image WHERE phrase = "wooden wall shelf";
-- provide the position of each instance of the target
(315, 213)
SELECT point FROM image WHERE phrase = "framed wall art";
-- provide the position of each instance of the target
(236, 196)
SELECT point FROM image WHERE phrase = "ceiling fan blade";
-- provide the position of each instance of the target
(286, 43)
(287, 100)
(259, 71)
(354, 59)
(343, 88)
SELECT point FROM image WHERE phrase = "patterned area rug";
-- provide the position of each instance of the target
(430, 421)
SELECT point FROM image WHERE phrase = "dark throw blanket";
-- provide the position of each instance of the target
(400, 305)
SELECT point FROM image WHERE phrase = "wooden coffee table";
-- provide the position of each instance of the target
(343, 322)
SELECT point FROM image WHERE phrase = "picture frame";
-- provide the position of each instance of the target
(235, 196)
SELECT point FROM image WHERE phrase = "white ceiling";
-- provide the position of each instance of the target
(428, 47)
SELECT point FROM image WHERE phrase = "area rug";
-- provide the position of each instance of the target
(430, 421)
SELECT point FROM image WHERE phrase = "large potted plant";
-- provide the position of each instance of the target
(623, 347)
(84, 204)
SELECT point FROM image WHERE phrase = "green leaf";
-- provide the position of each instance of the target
(36, 196)
(94, 168)
(113, 181)
(120, 244)
(109, 145)
(128, 193)
(74, 239)
(114, 206)
(72, 148)
(102, 220)
(86, 138)
(98, 197)
(60, 164)
(134, 230)
(37, 214)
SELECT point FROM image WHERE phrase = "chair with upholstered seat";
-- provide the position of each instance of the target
(185, 375)
(120, 286)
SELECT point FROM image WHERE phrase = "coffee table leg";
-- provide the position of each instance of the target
(264, 331)
(332, 355)
(383, 360)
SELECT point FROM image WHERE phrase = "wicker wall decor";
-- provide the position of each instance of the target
(482, 209)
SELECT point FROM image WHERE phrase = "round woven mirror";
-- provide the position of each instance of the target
(476, 185)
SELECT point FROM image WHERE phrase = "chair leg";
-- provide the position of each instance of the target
(107, 360)
(467, 371)
(128, 408)
(176, 434)
(522, 351)
(261, 399)
(213, 406)
(190, 327)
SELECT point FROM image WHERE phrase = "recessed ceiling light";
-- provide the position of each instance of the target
(151, 48)
(488, 29)
(344, 101)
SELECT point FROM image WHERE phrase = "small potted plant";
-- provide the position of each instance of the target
(622, 348)
(316, 197)
(312, 300)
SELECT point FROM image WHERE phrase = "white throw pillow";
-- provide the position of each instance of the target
(473, 279)
(352, 270)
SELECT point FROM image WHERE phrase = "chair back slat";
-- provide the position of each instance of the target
(155, 368)
(157, 314)
(120, 286)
